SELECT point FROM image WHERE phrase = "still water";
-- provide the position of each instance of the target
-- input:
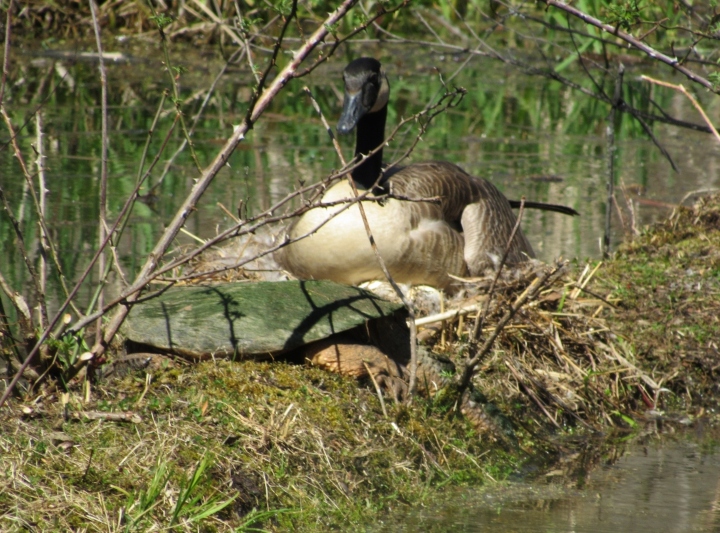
(530, 136)
(668, 487)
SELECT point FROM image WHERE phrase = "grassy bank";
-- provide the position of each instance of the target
(310, 447)
(668, 282)
(224, 445)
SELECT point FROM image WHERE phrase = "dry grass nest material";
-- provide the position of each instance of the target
(557, 363)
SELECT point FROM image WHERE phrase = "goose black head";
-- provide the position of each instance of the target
(366, 91)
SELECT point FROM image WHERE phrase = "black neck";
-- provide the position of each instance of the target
(370, 135)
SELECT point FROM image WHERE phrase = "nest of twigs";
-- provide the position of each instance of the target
(605, 344)
(558, 362)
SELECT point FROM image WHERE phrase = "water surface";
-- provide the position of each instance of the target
(668, 487)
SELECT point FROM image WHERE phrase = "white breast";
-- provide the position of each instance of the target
(338, 248)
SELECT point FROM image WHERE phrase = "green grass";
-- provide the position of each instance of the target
(304, 449)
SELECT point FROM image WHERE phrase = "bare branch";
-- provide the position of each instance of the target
(654, 54)
(480, 319)
(126, 207)
(255, 111)
(690, 97)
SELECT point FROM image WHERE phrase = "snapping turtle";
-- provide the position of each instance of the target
(338, 327)
(251, 320)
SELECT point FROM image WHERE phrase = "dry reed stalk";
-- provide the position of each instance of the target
(446, 315)
(693, 101)
(40, 163)
(377, 389)
(583, 280)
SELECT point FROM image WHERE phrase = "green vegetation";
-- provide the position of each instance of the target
(304, 449)
(669, 290)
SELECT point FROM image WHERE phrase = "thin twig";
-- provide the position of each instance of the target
(381, 11)
(480, 320)
(531, 393)
(258, 105)
(406, 302)
(246, 42)
(6, 50)
(654, 54)
(102, 199)
(610, 158)
(118, 416)
(148, 139)
(174, 75)
(690, 97)
(257, 108)
(377, 389)
(696, 192)
(71, 295)
(317, 189)
(196, 118)
(549, 73)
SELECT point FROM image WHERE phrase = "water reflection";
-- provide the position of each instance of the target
(531, 137)
(661, 488)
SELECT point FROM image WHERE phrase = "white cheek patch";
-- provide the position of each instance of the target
(383, 94)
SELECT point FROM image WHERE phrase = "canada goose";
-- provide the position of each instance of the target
(422, 243)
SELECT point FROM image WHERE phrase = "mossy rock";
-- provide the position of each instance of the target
(250, 319)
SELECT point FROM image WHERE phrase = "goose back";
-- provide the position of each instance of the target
(468, 204)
